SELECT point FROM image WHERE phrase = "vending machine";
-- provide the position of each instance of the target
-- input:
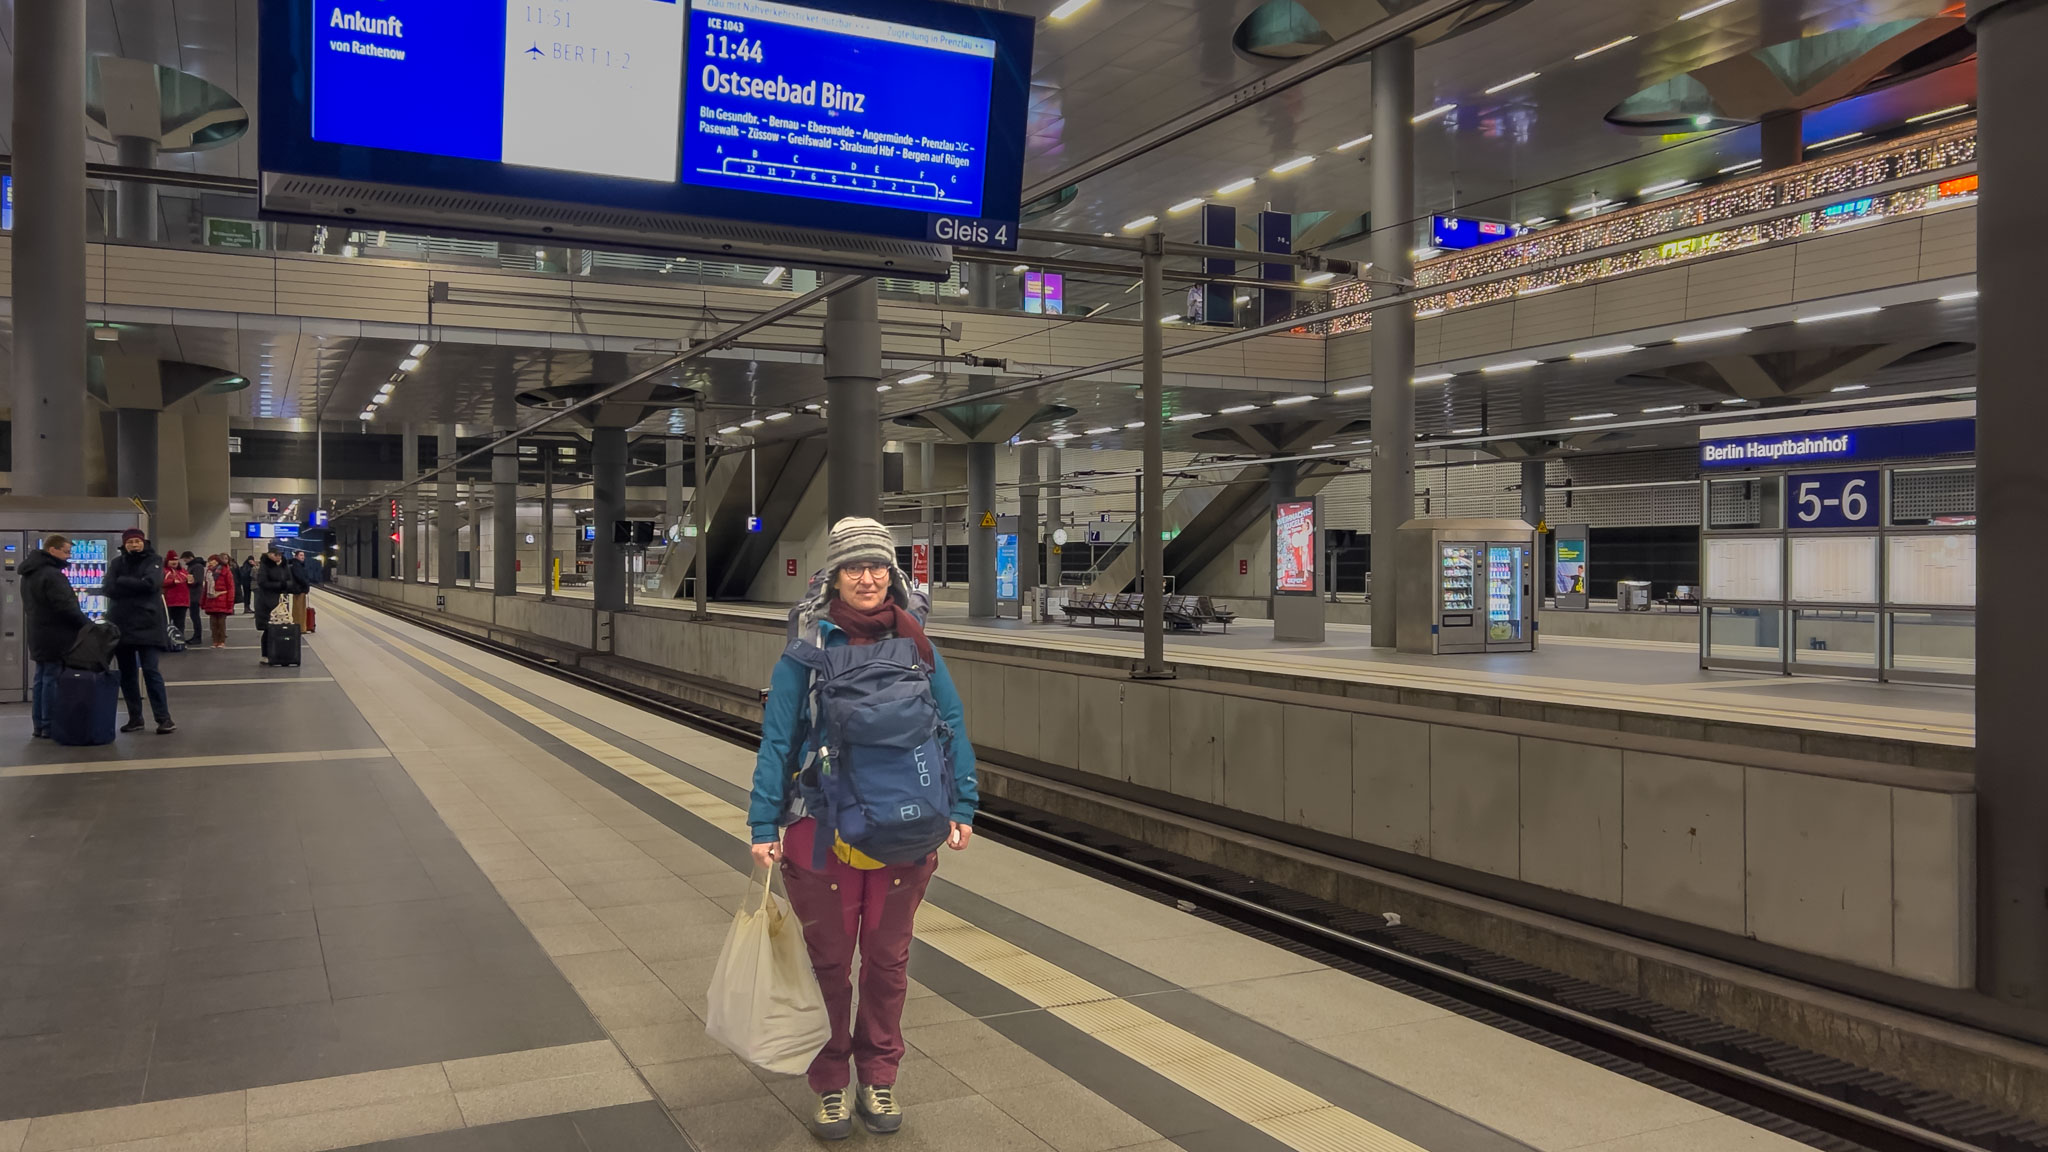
(1465, 586)
(94, 528)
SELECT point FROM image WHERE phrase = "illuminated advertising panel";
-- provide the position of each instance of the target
(1294, 548)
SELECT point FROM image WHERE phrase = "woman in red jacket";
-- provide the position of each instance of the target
(219, 602)
(178, 596)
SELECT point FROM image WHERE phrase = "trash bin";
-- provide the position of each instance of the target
(1632, 595)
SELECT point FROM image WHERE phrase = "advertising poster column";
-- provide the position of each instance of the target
(1570, 556)
(1009, 592)
(921, 564)
(1297, 572)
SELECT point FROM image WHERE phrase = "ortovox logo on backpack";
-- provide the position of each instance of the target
(883, 779)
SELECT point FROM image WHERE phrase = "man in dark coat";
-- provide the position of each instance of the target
(245, 581)
(135, 604)
(273, 585)
(54, 620)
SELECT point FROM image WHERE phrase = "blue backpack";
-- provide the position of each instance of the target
(878, 772)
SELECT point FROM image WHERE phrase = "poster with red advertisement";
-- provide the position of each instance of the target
(1294, 547)
(921, 563)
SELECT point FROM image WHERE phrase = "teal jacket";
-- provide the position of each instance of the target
(786, 733)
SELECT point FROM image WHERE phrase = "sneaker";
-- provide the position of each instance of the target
(41, 734)
(133, 725)
(166, 727)
(832, 1121)
(878, 1109)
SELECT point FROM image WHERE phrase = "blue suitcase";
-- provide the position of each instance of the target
(86, 707)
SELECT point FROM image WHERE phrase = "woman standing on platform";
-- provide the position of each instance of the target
(219, 602)
(178, 597)
(273, 584)
(845, 898)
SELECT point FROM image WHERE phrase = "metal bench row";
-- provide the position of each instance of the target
(1188, 613)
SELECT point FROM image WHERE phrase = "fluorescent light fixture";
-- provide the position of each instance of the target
(1234, 409)
(811, 407)
(778, 415)
(1432, 114)
(755, 423)
(1068, 9)
(380, 399)
(1938, 113)
(1737, 400)
(1187, 416)
(1538, 222)
(774, 274)
(1320, 447)
(1169, 318)
(1135, 424)
(1236, 186)
(882, 387)
(1141, 222)
(1604, 47)
(1433, 378)
(1059, 437)
(1348, 145)
(1021, 268)
(1365, 441)
(1848, 387)
(1716, 334)
(408, 365)
(915, 378)
(1664, 408)
(1510, 366)
(1592, 206)
(1745, 166)
(1422, 253)
(1703, 9)
(1318, 278)
(368, 414)
(728, 430)
(1595, 416)
(1667, 186)
(1954, 296)
(419, 350)
(1188, 205)
(1292, 400)
(1534, 289)
(1360, 390)
(1242, 300)
(1843, 139)
(1426, 313)
(1466, 431)
(1294, 165)
(1842, 315)
(387, 389)
(1597, 353)
(1524, 78)
(1100, 431)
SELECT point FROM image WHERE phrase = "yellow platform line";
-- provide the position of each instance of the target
(1274, 1105)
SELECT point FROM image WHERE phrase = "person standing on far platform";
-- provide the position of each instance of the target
(807, 772)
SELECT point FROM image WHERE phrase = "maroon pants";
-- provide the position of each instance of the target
(843, 907)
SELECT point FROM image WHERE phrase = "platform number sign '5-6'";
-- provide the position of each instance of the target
(1835, 499)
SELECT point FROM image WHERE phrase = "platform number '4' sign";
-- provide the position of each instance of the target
(1836, 499)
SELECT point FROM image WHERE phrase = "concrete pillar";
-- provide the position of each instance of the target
(853, 366)
(1533, 481)
(49, 249)
(1053, 518)
(547, 521)
(172, 527)
(981, 542)
(700, 509)
(2012, 472)
(1028, 535)
(447, 522)
(408, 504)
(1783, 139)
(608, 491)
(135, 203)
(135, 444)
(1152, 503)
(1283, 479)
(504, 499)
(983, 285)
(1393, 329)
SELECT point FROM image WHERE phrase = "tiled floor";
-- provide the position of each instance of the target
(466, 906)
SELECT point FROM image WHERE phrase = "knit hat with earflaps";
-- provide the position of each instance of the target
(859, 540)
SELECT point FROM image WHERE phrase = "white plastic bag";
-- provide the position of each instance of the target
(765, 1004)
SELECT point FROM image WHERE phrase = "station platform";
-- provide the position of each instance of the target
(413, 895)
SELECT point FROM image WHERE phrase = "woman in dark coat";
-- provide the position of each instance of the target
(273, 583)
(134, 589)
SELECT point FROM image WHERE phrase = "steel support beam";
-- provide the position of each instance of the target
(608, 492)
(1152, 549)
(1393, 329)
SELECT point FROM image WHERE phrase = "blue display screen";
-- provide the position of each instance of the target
(896, 118)
(833, 106)
(1456, 232)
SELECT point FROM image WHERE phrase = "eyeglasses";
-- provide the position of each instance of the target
(867, 571)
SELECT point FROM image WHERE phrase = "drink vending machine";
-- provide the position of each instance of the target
(1466, 586)
(94, 527)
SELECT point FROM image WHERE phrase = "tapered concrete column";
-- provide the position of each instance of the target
(1152, 483)
(1393, 329)
(408, 504)
(608, 491)
(2012, 473)
(1053, 518)
(135, 204)
(172, 527)
(547, 521)
(1784, 142)
(1532, 492)
(207, 477)
(447, 524)
(504, 499)
(981, 542)
(1028, 535)
(135, 444)
(49, 248)
(853, 366)
(1283, 479)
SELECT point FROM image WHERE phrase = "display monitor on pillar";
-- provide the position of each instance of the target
(1297, 572)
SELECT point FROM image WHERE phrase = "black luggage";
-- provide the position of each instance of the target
(281, 645)
(94, 648)
(86, 706)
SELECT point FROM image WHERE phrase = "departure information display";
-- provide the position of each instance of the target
(835, 106)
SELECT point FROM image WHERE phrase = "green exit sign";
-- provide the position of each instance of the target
(222, 232)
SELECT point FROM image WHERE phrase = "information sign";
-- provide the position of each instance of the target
(223, 232)
(1569, 562)
(267, 530)
(921, 563)
(1835, 499)
(1006, 566)
(1294, 547)
(1456, 232)
(1045, 293)
(1876, 442)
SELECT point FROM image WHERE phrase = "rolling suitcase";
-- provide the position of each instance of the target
(86, 706)
(309, 621)
(281, 645)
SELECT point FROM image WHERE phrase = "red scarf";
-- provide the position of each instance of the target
(888, 619)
